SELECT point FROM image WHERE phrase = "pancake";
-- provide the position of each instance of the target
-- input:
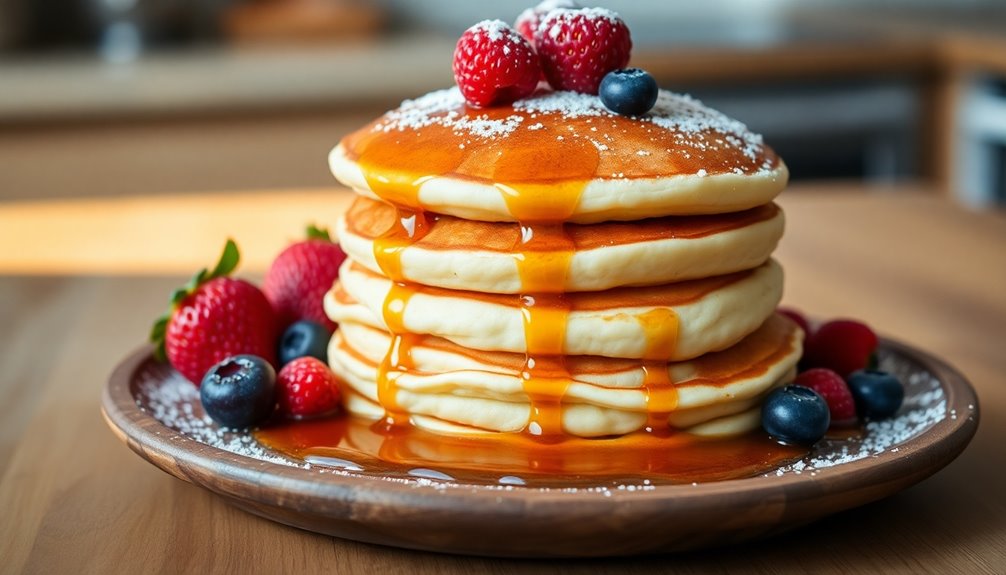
(485, 256)
(673, 321)
(449, 387)
(559, 156)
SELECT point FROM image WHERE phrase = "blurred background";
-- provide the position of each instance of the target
(139, 98)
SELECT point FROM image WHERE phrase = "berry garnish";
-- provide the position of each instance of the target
(795, 414)
(578, 47)
(215, 317)
(239, 391)
(835, 392)
(494, 65)
(842, 346)
(304, 338)
(528, 20)
(300, 276)
(629, 91)
(878, 394)
(306, 388)
(798, 317)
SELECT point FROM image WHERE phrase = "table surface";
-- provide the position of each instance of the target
(74, 499)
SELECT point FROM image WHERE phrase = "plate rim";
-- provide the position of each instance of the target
(225, 472)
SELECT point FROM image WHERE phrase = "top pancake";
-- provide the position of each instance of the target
(559, 156)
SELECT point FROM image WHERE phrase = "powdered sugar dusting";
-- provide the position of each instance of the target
(556, 20)
(496, 30)
(174, 401)
(925, 405)
(445, 108)
(691, 125)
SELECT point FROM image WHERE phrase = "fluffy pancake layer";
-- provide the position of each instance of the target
(451, 388)
(560, 152)
(673, 321)
(485, 256)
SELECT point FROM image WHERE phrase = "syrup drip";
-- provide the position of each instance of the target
(543, 257)
(398, 360)
(543, 254)
(661, 329)
(409, 226)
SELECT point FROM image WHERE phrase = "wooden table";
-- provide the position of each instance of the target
(72, 498)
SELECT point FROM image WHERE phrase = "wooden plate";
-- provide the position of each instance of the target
(939, 418)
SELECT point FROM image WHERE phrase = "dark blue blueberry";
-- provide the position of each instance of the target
(629, 92)
(239, 391)
(795, 414)
(304, 338)
(877, 394)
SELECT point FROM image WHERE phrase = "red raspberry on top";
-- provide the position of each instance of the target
(215, 317)
(306, 387)
(494, 65)
(300, 276)
(578, 47)
(528, 20)
(835, 392)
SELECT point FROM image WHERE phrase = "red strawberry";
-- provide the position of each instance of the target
(841, 345)
(494, 65)
(300, 276)
(215, 317)
(835, 391)
(528, 20)
(797, 317)
(578, 47)
(305, 387)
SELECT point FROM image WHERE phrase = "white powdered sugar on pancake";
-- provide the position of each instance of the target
(692, 124)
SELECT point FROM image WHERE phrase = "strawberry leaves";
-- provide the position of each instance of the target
(227, 263)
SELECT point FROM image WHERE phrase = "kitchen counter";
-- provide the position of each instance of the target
(86, 278)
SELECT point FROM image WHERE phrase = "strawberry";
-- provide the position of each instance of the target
(494, 65)
(215, 317)
(843, 346)
(797, 317)
(300, 276)
(835, 392)
(528, 20)
(305, 387)
(578, 47)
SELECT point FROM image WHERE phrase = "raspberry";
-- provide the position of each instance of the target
(305, 387)
(578, 47)
(494, 65)
(843, 346)
(835, 392)
(528, 20)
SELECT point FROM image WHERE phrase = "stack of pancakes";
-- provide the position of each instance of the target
(552, 268)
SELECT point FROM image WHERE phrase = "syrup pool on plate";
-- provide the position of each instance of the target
(655, 458)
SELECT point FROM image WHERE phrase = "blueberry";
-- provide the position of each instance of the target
(877, 394)
(239, 391)
(304, 338)
(629, 92)
(795, 414)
